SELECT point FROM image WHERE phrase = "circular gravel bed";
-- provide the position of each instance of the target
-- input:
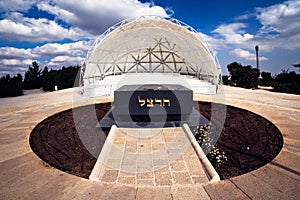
(249, 140)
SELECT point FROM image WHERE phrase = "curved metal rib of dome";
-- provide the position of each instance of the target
(150, 44)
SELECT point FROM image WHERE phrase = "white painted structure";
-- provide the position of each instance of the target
(150, 45)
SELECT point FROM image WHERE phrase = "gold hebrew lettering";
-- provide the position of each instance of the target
(142, 101)
(166, 101)
(159, 101)
(149, 102)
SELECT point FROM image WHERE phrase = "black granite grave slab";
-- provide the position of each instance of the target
(152, 106)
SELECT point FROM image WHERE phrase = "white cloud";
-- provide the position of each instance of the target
(244, 54)
(27, 62)
(21, 28)
(11, 53)
(79, 48)
(16, 5)
(97, 16)
(279, 29)
(215, 43)
(57, 11)
(233, 33)
(17, 62)
(65, 61)
(86, 18)
(14, 66)
(54, 55)
(280, 17)
(11, 62)
(280, 25)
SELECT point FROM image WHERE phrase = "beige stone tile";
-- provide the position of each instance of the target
(178, 166)
(127, 180)
(198, 172)
(175, 157)
(157, 193)
(163, 179)
(169, 139)
(181, 178)
(172, 151)
(115, 152)
(168, 133)
(110, 176)
(146, 175)
(162, 170)
(180, 141)
(158, 146)
(144, 168)
(158, 167)
(128, 168)
(157, 139)
(119, 140)
(161, 162)
(189, 152)
(195, 167)
(190, 193)
(131, 132)
(127, 174)
(200, 180)
(129, 158)
(114, 163)
(145, 182)
(160, 154)
(117, 192)
(144, 148)
(144, 140)
(131, 146)
(130, 138)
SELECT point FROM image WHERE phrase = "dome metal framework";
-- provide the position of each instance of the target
(150, 44)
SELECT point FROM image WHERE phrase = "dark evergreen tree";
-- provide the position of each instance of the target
(45, 71)
(64, 78)
(49, 81)
(33, 79)
(10, 87)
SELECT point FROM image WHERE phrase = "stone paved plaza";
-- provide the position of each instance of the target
(25, 176)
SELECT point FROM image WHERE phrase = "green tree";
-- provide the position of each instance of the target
(33, 79)
(49, 80)
(243, 76)
(10, 87)
(267, 79)
(63, 78)
(288, 82)
(45, 71)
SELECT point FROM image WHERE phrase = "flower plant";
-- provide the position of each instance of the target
(215, 156)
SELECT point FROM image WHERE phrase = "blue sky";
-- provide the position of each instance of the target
(58, 33)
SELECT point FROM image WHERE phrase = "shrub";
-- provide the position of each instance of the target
(215, 156)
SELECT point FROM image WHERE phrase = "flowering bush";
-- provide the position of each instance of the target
(215, 156)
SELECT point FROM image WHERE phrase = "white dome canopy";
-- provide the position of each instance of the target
(150, 44)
